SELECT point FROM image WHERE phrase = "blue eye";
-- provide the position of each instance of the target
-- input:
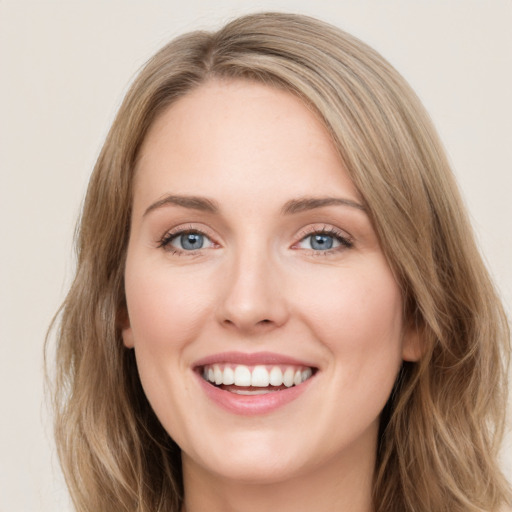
(186, 241)
(323, 241)
(189, 241)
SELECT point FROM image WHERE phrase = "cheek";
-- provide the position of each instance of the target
(357, 314)
(358, 303)
(166, 308)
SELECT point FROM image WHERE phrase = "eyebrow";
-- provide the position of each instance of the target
(193, 202)
(311, 203)
(290, 207)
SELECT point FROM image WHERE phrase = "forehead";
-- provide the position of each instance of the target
(242, 136)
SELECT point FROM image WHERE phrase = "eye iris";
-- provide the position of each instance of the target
(321, 242)
(191, 241)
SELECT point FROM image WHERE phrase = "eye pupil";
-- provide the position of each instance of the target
(191, 241)
(321, 242)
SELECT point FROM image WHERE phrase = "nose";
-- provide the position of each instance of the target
(253, 296)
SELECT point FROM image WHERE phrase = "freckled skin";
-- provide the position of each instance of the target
(257, 285)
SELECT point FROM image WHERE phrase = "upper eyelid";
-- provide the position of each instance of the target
(326, 229)
(189, 228)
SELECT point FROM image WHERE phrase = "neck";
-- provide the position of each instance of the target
(337, 485)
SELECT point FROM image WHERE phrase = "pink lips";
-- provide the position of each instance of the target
(247, 405)
(250, 359)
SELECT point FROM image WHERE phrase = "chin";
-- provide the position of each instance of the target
(263, 470)
(250, 457)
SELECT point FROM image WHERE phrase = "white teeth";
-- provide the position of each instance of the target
(242, 376)
(229, 376)
(306, 374)
(218, 374)
(259, 376)
(288, 377)
(276, 376)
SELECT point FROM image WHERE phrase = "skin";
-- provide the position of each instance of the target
(258, 285)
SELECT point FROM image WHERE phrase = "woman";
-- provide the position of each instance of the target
(278, 300)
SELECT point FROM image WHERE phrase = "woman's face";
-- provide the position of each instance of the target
(253, 264)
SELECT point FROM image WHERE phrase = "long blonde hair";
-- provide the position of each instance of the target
(441, 429)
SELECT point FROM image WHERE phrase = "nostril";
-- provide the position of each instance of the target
(257, 327)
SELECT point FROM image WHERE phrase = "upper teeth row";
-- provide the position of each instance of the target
(258, 376)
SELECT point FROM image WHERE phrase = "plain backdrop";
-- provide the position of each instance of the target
(64, 67)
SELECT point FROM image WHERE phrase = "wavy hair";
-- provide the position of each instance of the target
(441, 429)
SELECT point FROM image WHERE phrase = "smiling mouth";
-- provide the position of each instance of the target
(255, 380)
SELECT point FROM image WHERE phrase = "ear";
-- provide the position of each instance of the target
(123, 322)
(413, 346)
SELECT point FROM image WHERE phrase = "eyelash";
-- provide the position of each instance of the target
(344, 241)
(341, 237)
(165, 241)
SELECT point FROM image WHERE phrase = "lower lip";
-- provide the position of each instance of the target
(248, 405)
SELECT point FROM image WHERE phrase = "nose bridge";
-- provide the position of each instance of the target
(253, 298)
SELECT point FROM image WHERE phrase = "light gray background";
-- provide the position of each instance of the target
(64, 67)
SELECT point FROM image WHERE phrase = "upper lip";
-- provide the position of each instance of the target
(251, 359)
